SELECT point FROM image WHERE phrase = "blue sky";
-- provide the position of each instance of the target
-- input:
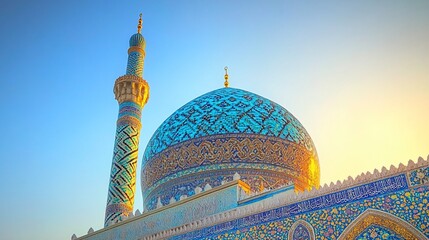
(355, 73)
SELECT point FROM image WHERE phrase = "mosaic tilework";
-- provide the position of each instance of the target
(419, 176)
(120, 198)
(329, 214)
(135, 64)
(378, 232)
(223, 111)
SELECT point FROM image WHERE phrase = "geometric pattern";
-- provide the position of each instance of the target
(122, 185)
(220, 131)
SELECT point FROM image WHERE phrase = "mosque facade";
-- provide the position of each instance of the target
(231, 164)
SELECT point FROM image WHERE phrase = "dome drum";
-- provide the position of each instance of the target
(186, 185)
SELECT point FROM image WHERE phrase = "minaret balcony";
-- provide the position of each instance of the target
(130, 88)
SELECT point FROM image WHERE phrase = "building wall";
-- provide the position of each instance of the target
(391, 204)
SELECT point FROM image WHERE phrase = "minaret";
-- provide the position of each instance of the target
(132, 93)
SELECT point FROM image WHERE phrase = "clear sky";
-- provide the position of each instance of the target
(355, 73)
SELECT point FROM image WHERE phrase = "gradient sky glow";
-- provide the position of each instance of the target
(355, 73)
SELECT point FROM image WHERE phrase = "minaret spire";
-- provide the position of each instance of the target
(132, 93)
(139, 27)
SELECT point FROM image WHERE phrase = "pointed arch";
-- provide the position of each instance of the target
(303, 227)
(384, 219)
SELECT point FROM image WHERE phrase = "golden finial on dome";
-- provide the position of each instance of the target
(226, 83)
(139, 27)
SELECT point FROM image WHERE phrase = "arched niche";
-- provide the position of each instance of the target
(386, 220)
(301, 230)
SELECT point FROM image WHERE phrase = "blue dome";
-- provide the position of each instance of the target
(137, 40)
(227, 110)
(222, 132)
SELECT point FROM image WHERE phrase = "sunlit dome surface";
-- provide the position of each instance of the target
(223, 132)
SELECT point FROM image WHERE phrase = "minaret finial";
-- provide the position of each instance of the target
(226, 83)
(139, 27)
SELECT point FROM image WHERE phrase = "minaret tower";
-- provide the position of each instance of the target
(132, 93)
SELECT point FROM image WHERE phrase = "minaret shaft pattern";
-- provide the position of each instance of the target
(120, 200)
(135, 64)
(132, 93)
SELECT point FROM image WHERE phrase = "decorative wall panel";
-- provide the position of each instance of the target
(329, 214)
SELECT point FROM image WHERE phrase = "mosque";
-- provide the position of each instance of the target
(231, 164)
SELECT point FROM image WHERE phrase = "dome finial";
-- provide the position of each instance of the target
(226, 83)
(139, 27)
